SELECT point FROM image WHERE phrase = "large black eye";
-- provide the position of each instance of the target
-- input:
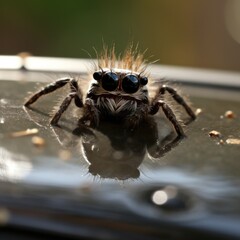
(110, 81)
(130, 84)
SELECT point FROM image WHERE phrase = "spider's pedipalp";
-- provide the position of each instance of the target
(91, 114)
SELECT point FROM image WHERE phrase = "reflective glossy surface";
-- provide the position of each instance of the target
(147, 174)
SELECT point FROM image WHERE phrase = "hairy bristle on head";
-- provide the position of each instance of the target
(131, 59)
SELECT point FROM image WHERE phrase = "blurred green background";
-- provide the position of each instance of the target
(198, 33)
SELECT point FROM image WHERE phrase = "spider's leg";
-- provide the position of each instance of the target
(91, 114)
(74, 93)
(177, 98)
(62, 108)
(163, 149)
(74, 88)
(48, 89)
(154, 107)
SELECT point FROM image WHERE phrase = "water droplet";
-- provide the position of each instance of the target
(2, 120)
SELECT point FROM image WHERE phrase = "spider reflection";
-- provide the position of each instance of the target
(113, 152)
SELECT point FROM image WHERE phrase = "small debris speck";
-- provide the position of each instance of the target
(229, 114)
(38, 141)
(221, 142)
(2, 120)
(198, 111)
(234, 141)
(24, 133)
(214, 133)
(3, 101)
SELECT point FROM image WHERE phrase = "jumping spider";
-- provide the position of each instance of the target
(118, 91)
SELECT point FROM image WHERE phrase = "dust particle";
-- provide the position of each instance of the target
(38, 141)
(214, 133)
(198, 111)
(221, 142)
(234, 141)
(229, 114)
(24, 133)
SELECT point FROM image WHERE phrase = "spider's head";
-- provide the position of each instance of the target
(120, 82)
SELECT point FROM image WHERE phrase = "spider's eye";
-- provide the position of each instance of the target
(97, 75)
(143, 80)
(130, 84)
(110, 81)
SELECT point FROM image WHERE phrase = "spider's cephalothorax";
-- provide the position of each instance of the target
(119, 95)
(118, 91)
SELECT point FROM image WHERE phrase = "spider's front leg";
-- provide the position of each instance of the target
(75, 94)
(154, 107)
(48, 89)
(177, 98)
